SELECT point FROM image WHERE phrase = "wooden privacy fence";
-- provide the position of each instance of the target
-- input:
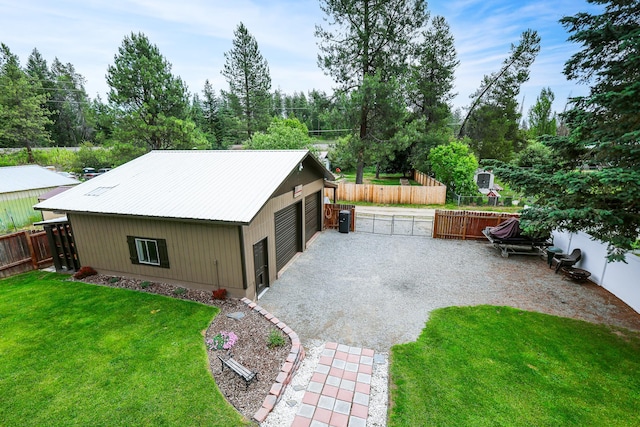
(425, 179)
(331, 215)
(391, 194)
(465, 224)
(23, 251)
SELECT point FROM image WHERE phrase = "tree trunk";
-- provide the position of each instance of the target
(360, 168)
(30, 158)
(364, 111)
(378, 171)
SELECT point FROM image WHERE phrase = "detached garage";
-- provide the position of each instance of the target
(202, 219)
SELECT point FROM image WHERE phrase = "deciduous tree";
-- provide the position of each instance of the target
(282, 134)
(455, 165)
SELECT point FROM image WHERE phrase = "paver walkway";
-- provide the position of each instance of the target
(338, 393)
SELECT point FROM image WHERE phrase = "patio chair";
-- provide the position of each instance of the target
(563, 260)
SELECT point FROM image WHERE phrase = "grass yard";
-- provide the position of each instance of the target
(370, 178)
(477, 366)
(79, 354)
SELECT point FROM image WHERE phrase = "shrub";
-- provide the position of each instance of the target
(220, 294)
(180, 291)
(114, 280)
(275, 339)
(145, 285)
(84, 272)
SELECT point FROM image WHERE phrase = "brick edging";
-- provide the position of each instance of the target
(288, 369)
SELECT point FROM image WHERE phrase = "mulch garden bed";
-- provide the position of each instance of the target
(251, 349)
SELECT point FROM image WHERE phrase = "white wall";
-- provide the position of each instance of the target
(622, 280)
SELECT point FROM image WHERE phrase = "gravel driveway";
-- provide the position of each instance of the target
(375, 291)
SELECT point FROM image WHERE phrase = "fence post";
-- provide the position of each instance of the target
(34, 258)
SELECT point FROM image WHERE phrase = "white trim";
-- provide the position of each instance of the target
(142, 248)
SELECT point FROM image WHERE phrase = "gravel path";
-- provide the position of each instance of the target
(375, 291)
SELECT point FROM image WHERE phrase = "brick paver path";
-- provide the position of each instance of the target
(338, 393)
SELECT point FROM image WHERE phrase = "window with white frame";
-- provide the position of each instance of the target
(147, 251)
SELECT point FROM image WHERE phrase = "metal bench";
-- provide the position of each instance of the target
(247, 375)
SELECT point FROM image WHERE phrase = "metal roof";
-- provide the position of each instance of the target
(30, 177)
(229, 186)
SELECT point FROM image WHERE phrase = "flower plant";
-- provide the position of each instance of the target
(223, 341)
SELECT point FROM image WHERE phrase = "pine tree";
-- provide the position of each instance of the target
(432, 73)
(364, 48)
(152, 102)
(542, 120)
(70, 106)
(247, 73)
(492, 120)
(603, 130)
(23, 118)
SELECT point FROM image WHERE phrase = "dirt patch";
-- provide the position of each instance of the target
(251, 349)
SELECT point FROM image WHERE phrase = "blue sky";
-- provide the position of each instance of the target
(194, 34)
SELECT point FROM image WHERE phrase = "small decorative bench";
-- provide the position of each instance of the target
(246, 374)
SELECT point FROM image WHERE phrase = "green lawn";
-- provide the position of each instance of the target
(498, 366)
(78, 354)
(370, 178)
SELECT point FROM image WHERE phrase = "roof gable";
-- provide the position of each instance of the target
(228, 186)
(30, 177)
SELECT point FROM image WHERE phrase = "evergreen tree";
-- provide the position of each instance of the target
(492, 121)
(320, 105)
(603, 129)
(364, 48)
(23, 119)
(429, 91)
(212, 112)
(69, 106)
(277, 104)
(432, 73)
(151, 102)
(247, 73)
(103, 117)
(542, 121)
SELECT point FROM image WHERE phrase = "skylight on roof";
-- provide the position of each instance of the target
(98, 191)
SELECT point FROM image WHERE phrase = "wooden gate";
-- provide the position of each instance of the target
(466, 224)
